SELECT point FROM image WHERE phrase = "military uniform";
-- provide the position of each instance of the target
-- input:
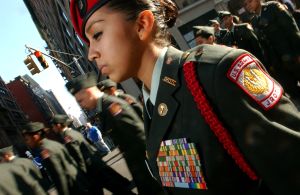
(14, 180)
(128, 132)
(280, 39)
(186, 156)
(89, 160)
(107, 84)
(62, 168)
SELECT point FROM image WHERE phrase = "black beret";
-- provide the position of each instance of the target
(33, 127)
(204, 31)
(106, 84)
(6, 150)
(222, 14)
(82, 82)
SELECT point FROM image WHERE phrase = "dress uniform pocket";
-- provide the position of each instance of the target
(179, 165)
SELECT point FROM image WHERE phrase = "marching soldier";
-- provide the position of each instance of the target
(127, 127)
(220, 33)
(15, 180)
(204, 35)
(220, 123)
(280, 38)
(7, 155)
(89, 159)
(242, 35)
(62, 168)
(110, 87)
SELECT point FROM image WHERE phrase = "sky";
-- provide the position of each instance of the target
(17, 30)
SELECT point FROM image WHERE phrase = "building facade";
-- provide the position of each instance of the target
(37, 104)
(12, 118)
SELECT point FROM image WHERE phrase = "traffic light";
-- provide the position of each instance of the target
(31, 65)
(41, 59)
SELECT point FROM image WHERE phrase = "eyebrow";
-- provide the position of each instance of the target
(94, 22)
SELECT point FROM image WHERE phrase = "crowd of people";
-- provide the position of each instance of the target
(220, 118)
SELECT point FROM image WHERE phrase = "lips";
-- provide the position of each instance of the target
(102, 68)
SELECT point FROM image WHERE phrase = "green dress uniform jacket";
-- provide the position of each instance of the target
(31, 170)
(14, 180)
(62, 168)
(89, 160)
(269, 140)
(280, 38)
(137, 106)
(128, 133)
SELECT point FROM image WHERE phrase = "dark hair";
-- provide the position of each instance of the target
(165, 13)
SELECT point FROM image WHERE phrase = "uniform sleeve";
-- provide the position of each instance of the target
(269, 137)
(128, 132)
(73, 147)
(58, 175)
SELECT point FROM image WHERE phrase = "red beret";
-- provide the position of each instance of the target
(80, 11)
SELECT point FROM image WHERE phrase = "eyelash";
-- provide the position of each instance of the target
(97, 35)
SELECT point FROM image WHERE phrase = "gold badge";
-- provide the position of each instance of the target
(162, 109)
(169, 81)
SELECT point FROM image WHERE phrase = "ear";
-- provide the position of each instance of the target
(145, 24)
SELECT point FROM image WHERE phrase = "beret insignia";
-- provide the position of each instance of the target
(82, 5)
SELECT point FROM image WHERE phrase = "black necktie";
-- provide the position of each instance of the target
(150, 107)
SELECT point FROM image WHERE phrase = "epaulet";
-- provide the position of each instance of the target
(193, 54)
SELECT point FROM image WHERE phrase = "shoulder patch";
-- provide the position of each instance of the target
(45, 154)
(251, 78)
(115, 109)
(68, 139)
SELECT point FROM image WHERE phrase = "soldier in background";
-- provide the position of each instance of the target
(15, 180)
(7, 155)
(204, 35)
(242, 35)
(220, 33)
(127, 128)
(89, 159)
(62, 168)
(280, 38)
(109, 87)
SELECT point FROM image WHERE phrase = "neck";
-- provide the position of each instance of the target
(150, 56)
(258, 10)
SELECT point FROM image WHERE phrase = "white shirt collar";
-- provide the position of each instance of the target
(152, 94)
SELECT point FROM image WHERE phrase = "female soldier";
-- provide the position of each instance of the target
(244, 140)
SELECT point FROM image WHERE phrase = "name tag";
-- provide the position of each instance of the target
(179, 165)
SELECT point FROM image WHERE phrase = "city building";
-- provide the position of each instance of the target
(12, 118)
(52, 19)
(37, 104)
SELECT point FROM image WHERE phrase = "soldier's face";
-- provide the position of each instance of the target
(114, 43)
(30, 141)
(251, 5)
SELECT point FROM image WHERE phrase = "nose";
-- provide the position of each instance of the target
(93, 54)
